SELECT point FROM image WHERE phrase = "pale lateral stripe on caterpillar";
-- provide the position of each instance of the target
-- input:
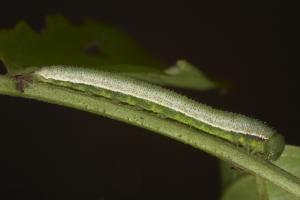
(235, 128)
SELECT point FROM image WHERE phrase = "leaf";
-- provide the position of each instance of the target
(238, 185)
(182, 74)
(93, 45)
(61, 43)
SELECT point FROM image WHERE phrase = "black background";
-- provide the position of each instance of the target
(51, 152)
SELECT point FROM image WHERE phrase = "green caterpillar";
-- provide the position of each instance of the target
(235, 128)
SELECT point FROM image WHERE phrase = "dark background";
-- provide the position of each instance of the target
(51, 152)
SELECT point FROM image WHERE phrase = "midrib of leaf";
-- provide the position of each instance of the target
(198, 139)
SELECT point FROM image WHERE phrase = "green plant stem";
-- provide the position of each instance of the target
(198, 139)
(262, 189)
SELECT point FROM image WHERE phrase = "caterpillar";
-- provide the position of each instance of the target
(238, 129)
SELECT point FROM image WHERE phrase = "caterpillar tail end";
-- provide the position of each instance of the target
(275, 146)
